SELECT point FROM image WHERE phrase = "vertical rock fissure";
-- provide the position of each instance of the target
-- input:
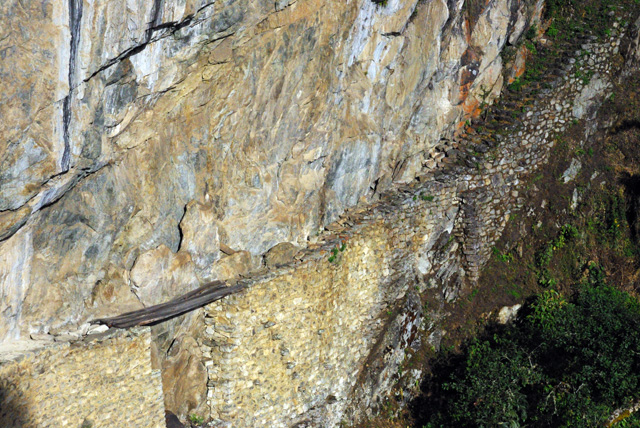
(155, 19)
(75, 16)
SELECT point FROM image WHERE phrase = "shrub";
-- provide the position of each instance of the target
(196, 420)
(565, 362)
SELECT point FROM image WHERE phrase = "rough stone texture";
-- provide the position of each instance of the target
(632, 49)
(249, 124)
(159, 275)
(200, 235)
(319, 341)
(508, 313)
(239, 263)
(137, 136)
(184, 377)
(280, 254)
(175, 352)
(290, 354)
(102, 382)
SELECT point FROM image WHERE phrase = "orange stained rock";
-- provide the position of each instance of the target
(519, 65)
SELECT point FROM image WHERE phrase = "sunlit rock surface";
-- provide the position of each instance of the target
(148, 147)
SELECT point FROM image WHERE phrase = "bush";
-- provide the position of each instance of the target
(196, 420)
(565, 362)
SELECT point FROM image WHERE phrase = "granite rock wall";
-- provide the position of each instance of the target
(148, 147)
(139, 138)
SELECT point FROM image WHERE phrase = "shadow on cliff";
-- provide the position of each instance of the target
(172, 421)
(13, 410)
(626, 125)
(434, 396)
(631, 185)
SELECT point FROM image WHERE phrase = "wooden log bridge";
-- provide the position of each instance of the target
(195, 299)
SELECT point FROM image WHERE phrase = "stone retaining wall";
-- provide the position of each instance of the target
(105, 381)
(298, 337)
(319, 340)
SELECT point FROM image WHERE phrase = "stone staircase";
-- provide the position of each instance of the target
(490, 129)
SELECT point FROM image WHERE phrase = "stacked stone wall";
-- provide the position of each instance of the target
(298, 337)
(101, 382)
(311, 343)
(320, 339)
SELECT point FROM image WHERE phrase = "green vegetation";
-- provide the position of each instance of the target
(335, 252)
(196, 420)
(572, 17)
(448, 243)
(567, 20)
(535, 68)
(609, 222)
(567, 362)
(506, 257)
(572, 357)
(545, 254)
(473, 294)
(584, 77)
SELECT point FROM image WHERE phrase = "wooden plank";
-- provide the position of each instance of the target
(180, 305)
(200, 290)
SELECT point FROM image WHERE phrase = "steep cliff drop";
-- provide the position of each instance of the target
(151, 148)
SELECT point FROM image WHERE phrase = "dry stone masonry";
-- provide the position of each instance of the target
(139, 136)
(296, 348)
(105, 380)
(149, 147)
(108, 214)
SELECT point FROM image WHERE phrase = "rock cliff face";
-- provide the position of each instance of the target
(139, 136)
(148, 147)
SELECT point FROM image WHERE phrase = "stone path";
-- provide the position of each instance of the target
(478, 172)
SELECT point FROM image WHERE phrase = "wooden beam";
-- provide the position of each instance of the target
(180, 305)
